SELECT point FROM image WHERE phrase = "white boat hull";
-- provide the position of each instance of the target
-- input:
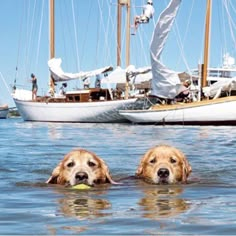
(220, 112)
(89, 112)
(3, 113)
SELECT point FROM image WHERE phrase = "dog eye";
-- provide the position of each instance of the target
(172, 160)
(70, 164)
(91, 164)
(153, 161)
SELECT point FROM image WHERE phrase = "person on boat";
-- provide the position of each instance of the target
(62, 91)
(148, 12)
(52, 85)
(98, 81)
(184, 94)
(34, 86)
(86, 83)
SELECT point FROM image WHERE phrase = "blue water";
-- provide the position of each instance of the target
(30, 151)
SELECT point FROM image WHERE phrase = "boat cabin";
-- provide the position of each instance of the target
(90, 95)
(87, 95)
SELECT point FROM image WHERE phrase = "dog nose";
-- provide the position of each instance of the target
(163, 173)
(81, 176)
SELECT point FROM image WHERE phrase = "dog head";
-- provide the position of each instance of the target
(164, 164)
(81, 167)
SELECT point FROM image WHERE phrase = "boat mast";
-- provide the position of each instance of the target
(127, 57)
(128, 34)
(206, 44)
(52, 29)
(121, 3)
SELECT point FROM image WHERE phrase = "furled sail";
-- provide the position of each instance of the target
(165, 82)
(223, 85)
(136, 75)
(58, 74)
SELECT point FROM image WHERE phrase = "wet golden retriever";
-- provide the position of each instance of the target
(81, 167)
(164, 164)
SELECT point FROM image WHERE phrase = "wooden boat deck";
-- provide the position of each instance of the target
(193, 104)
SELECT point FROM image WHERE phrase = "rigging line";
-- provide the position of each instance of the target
(18, 50)
(86, 33)
(63, 31)
(98, 35)
(231, 24)
(27, 10)
(180, 44)
(224, 28)
(102, 25)
(65, 16)
(76, 38)
(233, 8)
(97, 45)
(181, 47)
(221, 26)
(40, 33)
(187, 29)
(141, 40)
(230, 17)
(113, 25)
(5, 83)
(30, 36)
(107, 30)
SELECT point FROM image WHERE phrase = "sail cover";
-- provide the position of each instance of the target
(58, 74)
(165, 82)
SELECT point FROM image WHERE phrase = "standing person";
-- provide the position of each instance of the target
(34, 86)
(62, 91)
(148, 12)
(52, 85)
(98, 81)
(86, 82)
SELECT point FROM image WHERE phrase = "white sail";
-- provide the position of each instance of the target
(165, 82)
(136, 75)
(58, 74)
(223, 85)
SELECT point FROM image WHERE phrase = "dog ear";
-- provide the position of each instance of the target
(186, 169)
(106, 172)
(139, 170)
(144, 158)
(53, 179)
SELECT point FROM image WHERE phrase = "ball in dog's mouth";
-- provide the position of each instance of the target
(81, 186)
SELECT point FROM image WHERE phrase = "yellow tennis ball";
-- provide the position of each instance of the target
(81, 186)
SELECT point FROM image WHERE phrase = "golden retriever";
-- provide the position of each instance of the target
(164, 164)
(81, 167)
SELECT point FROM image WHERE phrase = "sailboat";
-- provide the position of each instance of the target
(83, 105)
(166, 85)
(4, 110)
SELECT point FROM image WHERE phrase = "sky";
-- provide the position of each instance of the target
(86, 38)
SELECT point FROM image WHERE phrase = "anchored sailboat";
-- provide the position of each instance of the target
(166, 85)
(84, 105)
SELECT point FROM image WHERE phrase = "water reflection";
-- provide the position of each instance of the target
(163, 202)
(85, 204)
(84, 208)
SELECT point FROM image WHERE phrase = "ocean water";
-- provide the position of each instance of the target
(30, 151)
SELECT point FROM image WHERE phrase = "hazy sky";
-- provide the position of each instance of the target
(86, 37)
